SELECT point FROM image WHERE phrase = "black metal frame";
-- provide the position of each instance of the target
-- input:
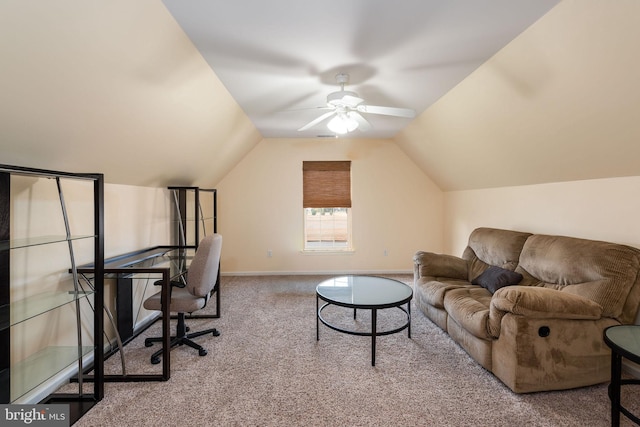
(166, 325)
(80, 402)
(5, 332)
(617, 353)
(374, 316)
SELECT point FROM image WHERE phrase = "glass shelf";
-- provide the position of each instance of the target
(39, 367)
(25, 309)
(35, 241)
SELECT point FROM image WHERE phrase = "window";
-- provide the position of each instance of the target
(327, 205)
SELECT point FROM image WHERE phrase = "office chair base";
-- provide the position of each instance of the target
(181, 338)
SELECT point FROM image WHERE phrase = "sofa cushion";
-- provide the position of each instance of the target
(469, 307)
(494, 278)
(433, 291)
(491, 246)
(600, 271)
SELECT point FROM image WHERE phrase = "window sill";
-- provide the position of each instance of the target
(328, 251)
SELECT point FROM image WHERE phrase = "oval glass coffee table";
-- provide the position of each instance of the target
(364, 293)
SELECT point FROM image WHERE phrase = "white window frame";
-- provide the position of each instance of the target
(316, 240)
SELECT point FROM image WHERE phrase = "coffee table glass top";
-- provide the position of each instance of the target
(364, 291)
(627, 339)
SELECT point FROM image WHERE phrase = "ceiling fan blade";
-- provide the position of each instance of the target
(363, 124)
(317, 120)
(387, 111)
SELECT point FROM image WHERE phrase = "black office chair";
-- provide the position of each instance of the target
(201, 281)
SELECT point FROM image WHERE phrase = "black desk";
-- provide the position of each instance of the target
(165, 261)
(624, 341)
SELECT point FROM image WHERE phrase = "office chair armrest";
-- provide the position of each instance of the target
(174, 283)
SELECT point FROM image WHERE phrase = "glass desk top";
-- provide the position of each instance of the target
(174, 258)
(364, 291)
(150, 257)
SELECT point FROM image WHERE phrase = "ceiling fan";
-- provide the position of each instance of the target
(346, 108)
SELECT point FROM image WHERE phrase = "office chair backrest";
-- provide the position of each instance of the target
(203, 271)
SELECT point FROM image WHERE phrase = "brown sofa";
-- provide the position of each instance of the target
(536, 315)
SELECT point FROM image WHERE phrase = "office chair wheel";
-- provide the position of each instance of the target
(148, 343)
(155, 360)
(202, 352)
(215, 333)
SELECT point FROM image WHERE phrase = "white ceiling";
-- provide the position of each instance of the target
(281, 55)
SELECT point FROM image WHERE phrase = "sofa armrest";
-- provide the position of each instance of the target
(439, 265)
(539, 303)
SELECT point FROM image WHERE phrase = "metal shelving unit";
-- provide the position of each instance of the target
(26, 374)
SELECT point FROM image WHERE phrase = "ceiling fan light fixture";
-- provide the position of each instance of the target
(337, 99)
(345, 107)
(342, 124)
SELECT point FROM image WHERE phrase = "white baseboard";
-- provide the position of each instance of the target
(313, 273)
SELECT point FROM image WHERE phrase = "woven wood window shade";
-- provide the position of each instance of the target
(326, 184)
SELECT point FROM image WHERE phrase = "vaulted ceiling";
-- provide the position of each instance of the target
(279, 58)
(507, 92)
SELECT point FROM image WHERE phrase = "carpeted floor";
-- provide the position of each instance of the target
(267, 369)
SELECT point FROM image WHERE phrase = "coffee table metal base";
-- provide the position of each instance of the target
(623, 341)
(374, 325)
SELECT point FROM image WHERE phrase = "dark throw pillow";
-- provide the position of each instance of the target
(494, 278)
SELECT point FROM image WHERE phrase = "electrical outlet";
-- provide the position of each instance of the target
(386, 252)
(269, 253)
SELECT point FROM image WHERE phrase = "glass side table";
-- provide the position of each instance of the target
(624, 341)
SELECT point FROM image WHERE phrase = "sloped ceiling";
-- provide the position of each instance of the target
(559, 103)
(118, 87)
(113, 87)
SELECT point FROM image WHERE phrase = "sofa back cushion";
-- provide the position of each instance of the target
(603, 272)
(492, 246)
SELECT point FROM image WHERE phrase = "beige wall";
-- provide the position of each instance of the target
(135, 217)
(395, 207)
(602, 209)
